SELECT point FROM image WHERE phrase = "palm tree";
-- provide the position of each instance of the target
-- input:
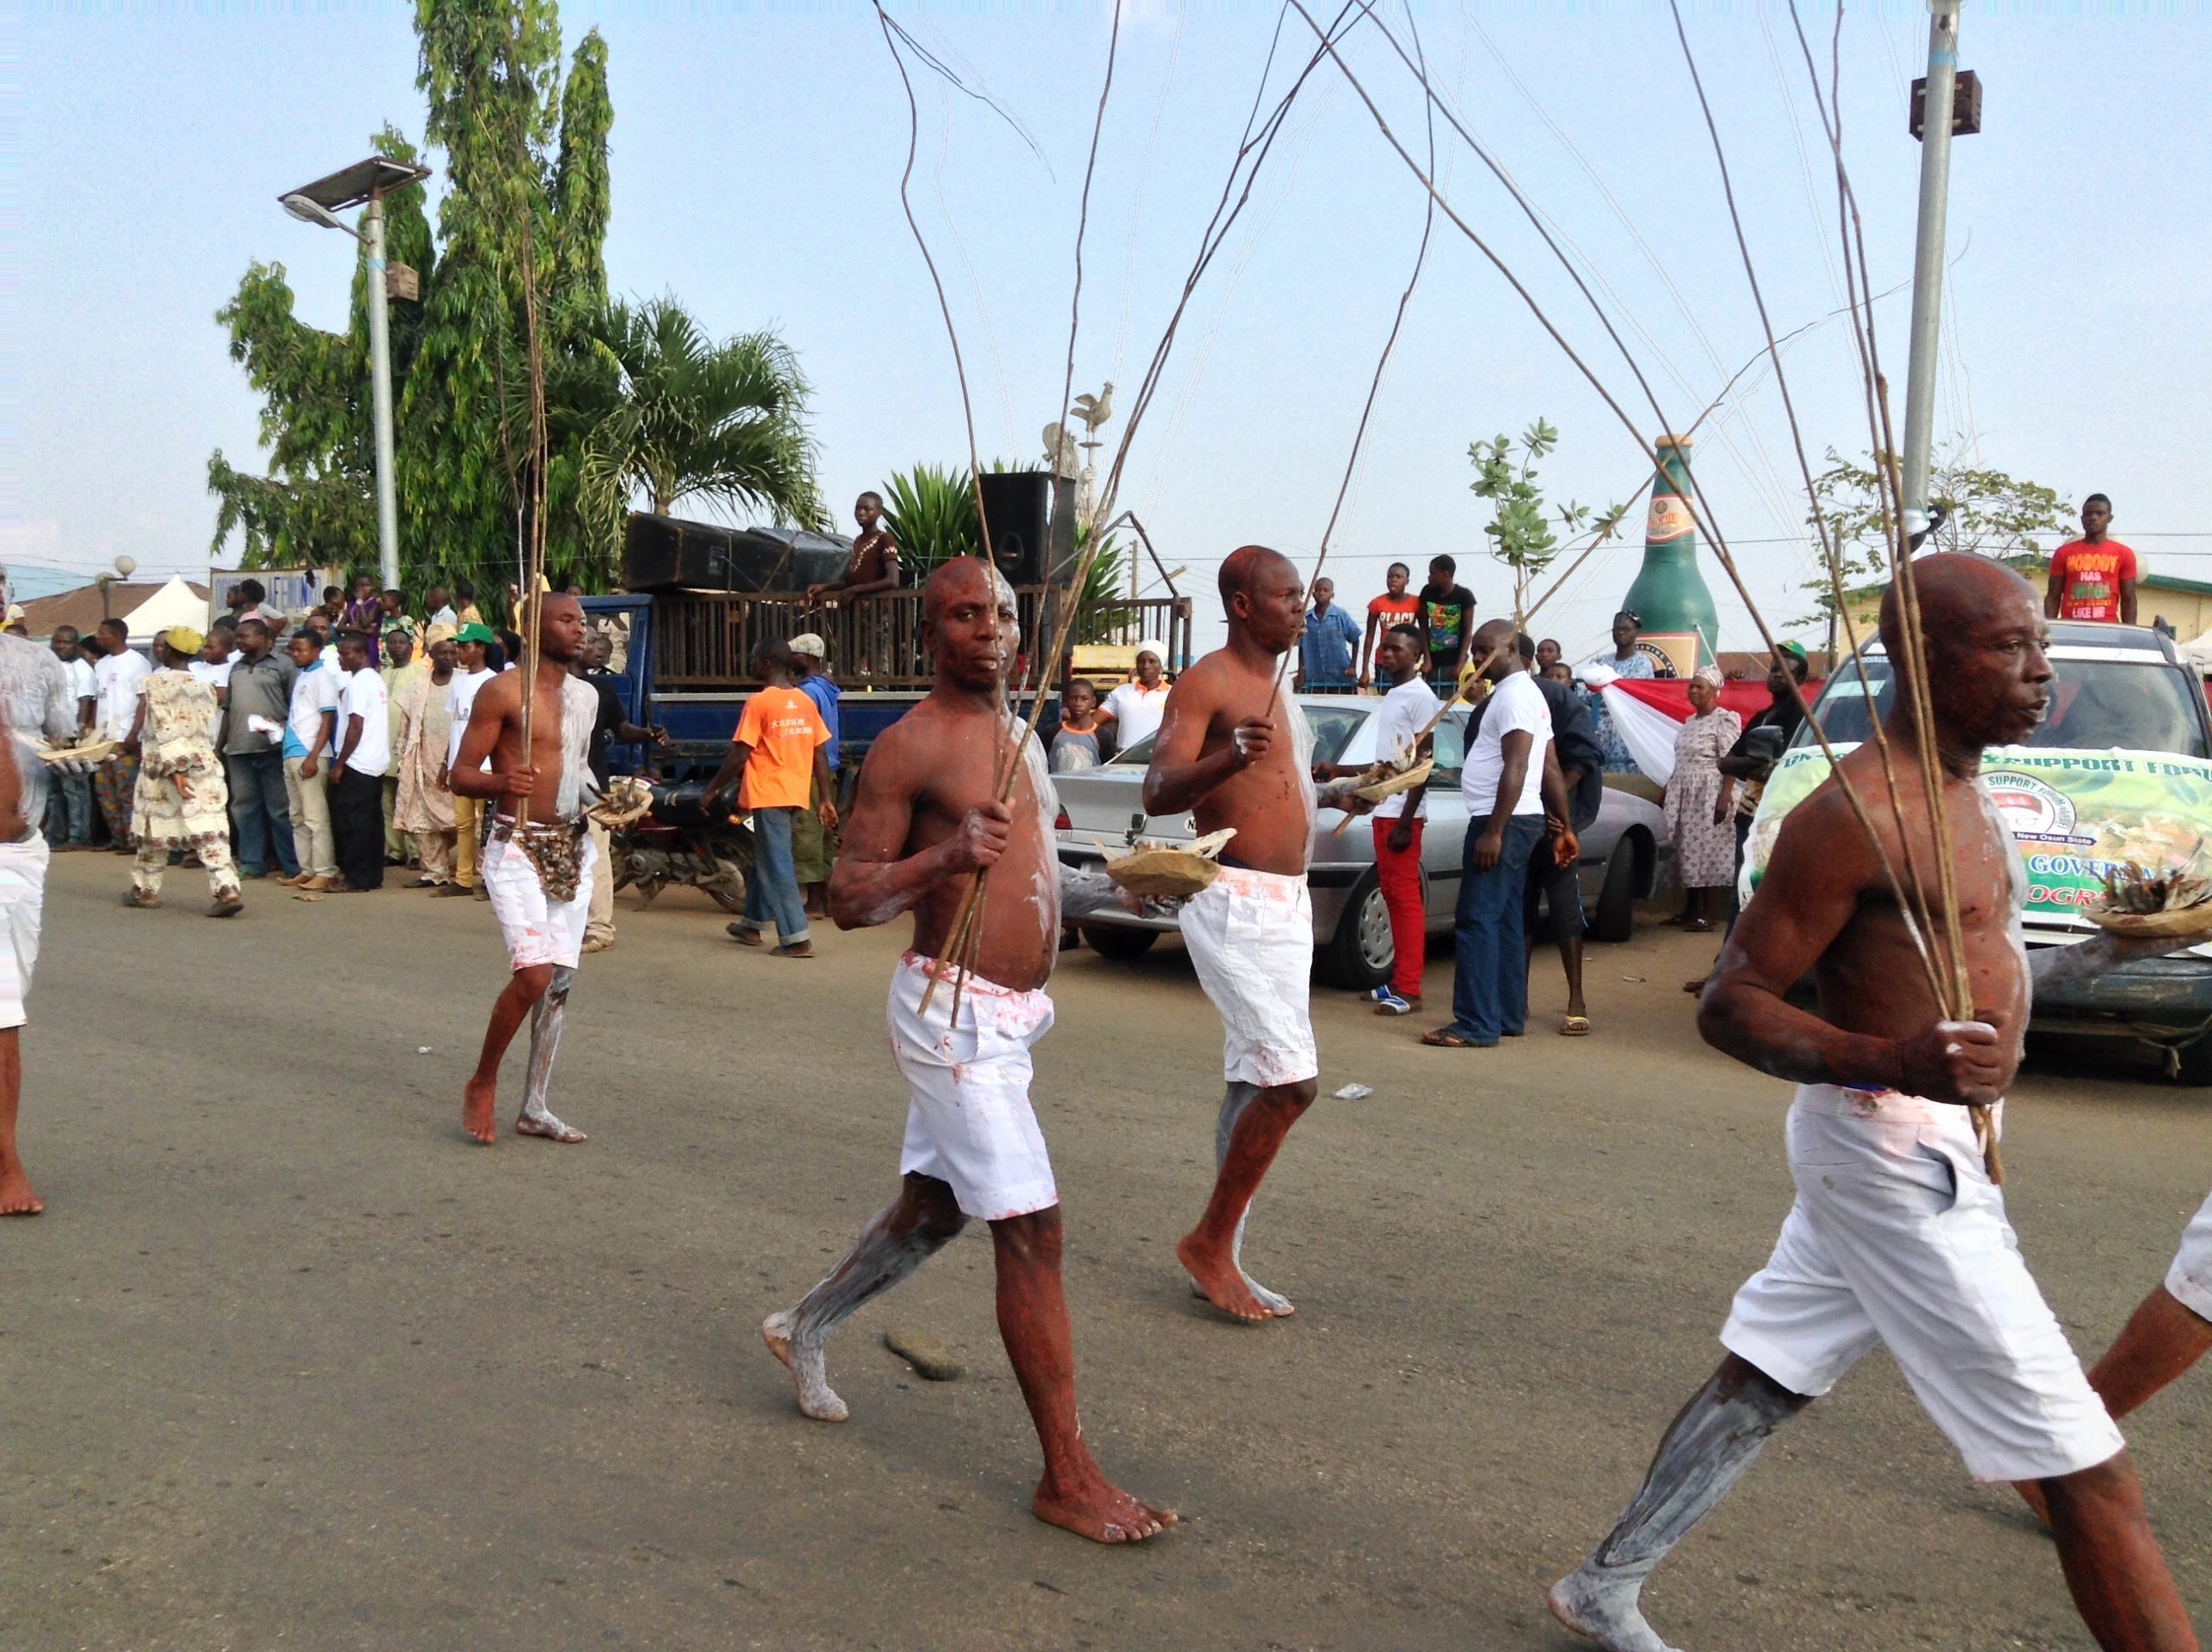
(667, 415)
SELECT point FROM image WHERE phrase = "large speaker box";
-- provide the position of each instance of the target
(1017, 506)
(659, 552)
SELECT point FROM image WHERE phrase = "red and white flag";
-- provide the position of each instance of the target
(1648, 716)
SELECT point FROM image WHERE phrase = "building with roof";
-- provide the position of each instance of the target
(2183, 606)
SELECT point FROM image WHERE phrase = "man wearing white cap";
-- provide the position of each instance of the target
(1134, 710)
(813, 851)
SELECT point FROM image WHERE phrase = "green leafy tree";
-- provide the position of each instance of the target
(1986, 512)
(665, 414)
(1521, 536)
(522, 218)
(932, 513)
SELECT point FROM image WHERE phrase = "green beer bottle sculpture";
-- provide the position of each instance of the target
(1669, 594)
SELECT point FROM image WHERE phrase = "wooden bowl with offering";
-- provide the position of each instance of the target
(2175, 903)
(1167, 872)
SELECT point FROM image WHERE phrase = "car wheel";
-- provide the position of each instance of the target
(1112, 941)
(1360, 954)
(1615, 920)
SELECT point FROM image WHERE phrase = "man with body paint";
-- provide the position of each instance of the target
(546, 787)
(927, 820)
(1898, 1235)
(1236, 753)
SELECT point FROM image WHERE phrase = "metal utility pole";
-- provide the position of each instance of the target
(381, 379)
(366, 184)
(1928, 258)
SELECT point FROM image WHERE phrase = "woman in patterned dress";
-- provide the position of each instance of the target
(1700, 802)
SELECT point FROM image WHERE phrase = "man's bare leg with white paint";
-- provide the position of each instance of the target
(547, 1018)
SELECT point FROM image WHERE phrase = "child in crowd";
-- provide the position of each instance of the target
(1076, 747)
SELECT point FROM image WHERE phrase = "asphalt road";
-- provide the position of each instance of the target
(288, 1363)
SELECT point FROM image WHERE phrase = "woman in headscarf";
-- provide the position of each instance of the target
(1700, 802)
(423, 809)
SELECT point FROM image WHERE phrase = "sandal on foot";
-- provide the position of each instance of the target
(132, 898)
(1574, 1026)
(1444, 1037)
(744, 936)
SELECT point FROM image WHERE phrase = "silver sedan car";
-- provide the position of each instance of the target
(1626, 854)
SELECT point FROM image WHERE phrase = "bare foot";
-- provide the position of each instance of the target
(1278, 1305)
(1216, 1273)
(15, 1196)
(549, 1128)
(1606, 1612)
(477, 1096)
(1102, 1512)
(817, 1399)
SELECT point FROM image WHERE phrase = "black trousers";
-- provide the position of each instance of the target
(356, 822)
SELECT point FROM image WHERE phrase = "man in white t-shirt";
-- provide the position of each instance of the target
(120, 678)
(1507, 784)
(1403, 730)
(1134, 710)
(467, 812)
(69, 816)
(307, 731)
(357, 772)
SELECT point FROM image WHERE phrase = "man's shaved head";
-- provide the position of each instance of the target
(1956, 588)
(962, 575)
(1249, 568)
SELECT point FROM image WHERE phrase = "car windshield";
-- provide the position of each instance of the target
(1332, 728)
(2095, 705)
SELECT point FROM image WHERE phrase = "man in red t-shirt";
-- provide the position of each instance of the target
(2094, 577)
(1395, 606)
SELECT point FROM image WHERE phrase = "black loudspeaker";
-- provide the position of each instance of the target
(1016, 510)
(660, 552)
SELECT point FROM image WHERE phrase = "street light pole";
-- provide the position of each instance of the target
(1927, 259)
(380, 377)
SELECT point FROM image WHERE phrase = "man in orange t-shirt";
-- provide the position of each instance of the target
(1396, 605)
(2094, 577)
(775, 760)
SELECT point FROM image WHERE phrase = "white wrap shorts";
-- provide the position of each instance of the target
(2188, 1281)
(536, 929)
(1250, 938)
(23, 901)
(1898, 1237)
(969, 1121)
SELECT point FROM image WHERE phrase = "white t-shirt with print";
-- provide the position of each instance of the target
(1406, 711)
(362, 694)
(121, 678)
(1515, 705)
(312, 693)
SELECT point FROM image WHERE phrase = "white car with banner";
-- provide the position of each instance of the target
(2119, 770)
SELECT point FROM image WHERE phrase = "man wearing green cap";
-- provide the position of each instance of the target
(182, 800)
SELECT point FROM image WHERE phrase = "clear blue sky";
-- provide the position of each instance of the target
(756, 152)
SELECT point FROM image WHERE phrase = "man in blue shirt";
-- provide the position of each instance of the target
(1324, 653)
(813, 851)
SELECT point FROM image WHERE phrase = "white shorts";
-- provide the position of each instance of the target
(23, 899)
(538, 931)
(969, 1122)
(1250, 938)
(2188, 1281)
(1899, 1237)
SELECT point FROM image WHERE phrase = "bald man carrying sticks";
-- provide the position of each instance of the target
(1236, 753)
(928, 820)
(1898, 1235)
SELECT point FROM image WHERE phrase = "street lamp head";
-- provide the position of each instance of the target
(313, 211)
(126, 566)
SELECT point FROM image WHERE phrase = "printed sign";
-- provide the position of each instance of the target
(2075, 814)
(1671, 653)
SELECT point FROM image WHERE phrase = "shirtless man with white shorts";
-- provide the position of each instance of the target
(1236, 752)
(541, 797)
(1898, 1235)
(926, 821)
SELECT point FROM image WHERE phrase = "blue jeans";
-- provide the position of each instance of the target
(772, 892)
(69, 810)
(260, 814)
(1489, 988)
